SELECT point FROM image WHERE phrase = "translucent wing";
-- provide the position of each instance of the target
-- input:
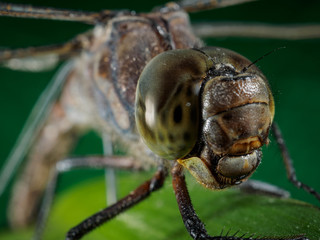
(257, 30)
(35, 120)
(41, 58)
(27, 11)
(196, 5)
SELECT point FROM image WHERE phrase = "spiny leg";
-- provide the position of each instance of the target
(68, 165)
(193, 224)
(136, 196)
(257, 187)
(291, 173)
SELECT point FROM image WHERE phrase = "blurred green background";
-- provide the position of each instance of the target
(293, 73)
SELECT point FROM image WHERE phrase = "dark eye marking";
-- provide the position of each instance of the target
(178, 91)
(177, 114)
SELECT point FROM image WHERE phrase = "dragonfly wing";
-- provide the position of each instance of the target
(32, 126)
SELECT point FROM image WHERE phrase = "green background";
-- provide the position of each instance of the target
(293, 74)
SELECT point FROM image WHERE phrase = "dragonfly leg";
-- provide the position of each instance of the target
(193, 224)
(291, 173)
(119, 162)
(262, 188)
(136, 196)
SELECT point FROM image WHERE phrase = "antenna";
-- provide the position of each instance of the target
(260, 58)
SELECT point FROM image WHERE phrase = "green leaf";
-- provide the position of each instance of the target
(158, 217)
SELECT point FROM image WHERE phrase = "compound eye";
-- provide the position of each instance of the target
(167, 102)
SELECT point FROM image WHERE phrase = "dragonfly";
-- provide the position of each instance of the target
(196, 28)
